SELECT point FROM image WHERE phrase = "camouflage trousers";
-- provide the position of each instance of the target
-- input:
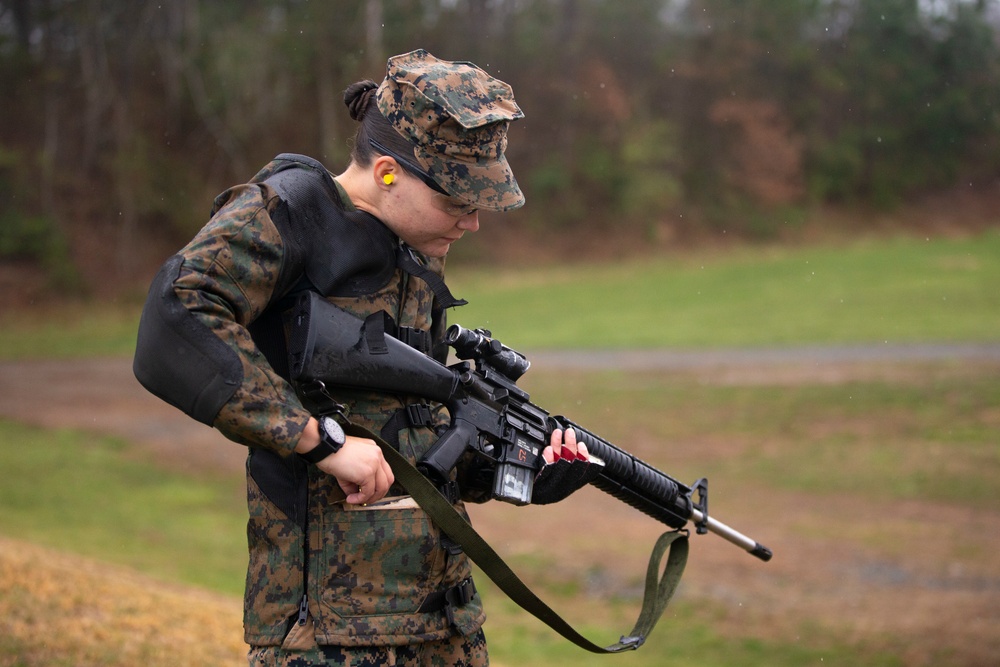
(457, 651)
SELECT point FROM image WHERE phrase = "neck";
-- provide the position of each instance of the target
(356, 182)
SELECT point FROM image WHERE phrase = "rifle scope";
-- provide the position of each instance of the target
(479, 344)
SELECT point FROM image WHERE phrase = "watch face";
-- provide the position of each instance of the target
(333, 429)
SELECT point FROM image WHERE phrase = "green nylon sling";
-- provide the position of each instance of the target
(658, 590)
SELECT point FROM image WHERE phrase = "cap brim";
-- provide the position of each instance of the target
(489, 186)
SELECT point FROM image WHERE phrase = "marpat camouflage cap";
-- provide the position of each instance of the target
(456, 115)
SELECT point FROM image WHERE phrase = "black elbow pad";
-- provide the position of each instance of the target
(178, 358)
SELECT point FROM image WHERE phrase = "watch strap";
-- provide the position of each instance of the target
(328, 444)
(319, 452)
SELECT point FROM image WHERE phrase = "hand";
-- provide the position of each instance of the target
(361, 470)
(564, 447)
(568, 467)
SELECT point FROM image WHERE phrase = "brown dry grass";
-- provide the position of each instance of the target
(57, 609)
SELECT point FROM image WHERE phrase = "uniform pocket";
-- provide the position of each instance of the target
(379, 561)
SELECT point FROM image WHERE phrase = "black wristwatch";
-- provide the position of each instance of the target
(331, 439)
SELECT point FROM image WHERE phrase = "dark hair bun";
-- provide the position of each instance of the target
(357, 96)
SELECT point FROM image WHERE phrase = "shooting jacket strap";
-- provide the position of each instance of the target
(414, 414)
(658, 590)
(380, 324)
(407, 260)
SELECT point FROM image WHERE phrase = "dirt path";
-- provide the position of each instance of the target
(103, 396)
(932, 596)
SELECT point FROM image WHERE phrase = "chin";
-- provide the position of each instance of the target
(437, 250)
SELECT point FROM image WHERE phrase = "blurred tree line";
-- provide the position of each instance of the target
(122, 119)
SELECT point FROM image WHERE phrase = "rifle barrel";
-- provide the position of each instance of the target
(653, 492)
(751, 546)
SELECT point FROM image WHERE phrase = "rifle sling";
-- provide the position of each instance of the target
(656, 596)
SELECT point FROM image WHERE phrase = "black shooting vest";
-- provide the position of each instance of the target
(346, 255)
(336, 253)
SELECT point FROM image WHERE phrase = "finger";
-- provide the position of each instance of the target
(381, 486)
(555, 446)
(390, 478)
(352, 491)
(366, 492)
(581, 452)
(569, 445)
(555, 438)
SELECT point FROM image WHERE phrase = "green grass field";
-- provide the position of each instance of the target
(894, 291)
(96, 496)
(923, 438)
(901, 290)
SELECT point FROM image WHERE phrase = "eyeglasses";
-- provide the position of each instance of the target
(410, 166)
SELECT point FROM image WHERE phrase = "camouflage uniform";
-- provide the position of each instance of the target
(322, 576)
(369, 571)
(454, 652)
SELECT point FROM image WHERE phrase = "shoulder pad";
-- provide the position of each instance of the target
(345, 253)
(180, 359)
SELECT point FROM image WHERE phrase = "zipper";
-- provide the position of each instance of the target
(304, 603)
(303, 609)
(403, 282)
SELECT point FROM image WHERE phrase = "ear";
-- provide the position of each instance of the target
(385, 171)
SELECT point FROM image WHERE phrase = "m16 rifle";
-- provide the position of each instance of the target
(490, 415)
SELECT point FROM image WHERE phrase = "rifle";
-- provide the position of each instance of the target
(490, 414)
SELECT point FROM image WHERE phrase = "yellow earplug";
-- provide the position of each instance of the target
(388, 179)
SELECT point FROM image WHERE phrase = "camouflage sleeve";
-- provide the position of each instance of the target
(227, 279)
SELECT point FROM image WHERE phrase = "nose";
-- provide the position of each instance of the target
(469, 222)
